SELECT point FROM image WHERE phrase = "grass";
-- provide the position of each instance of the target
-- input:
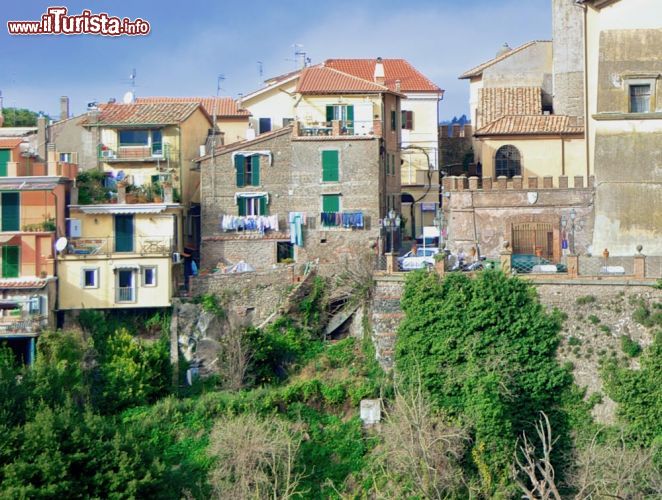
(594, 319)
(574, 341)
(630, 347)
(586, 299)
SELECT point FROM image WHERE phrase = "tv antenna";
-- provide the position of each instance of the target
(260, 70)
(132, 77)
(219, 80)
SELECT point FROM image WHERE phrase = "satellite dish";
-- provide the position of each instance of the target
(128, 98)
(61, 244)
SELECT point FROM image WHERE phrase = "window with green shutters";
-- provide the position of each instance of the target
(11, 210)
(330, 166)
(10, 261)
(5, 155)
(344, 113)
(247, 170)
(394, 120)
(331, 203)
(256, 205)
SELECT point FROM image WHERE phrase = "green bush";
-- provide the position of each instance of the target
(586, 299)
(594, 319)
(484, 348)
(629, 346)
(573, 341)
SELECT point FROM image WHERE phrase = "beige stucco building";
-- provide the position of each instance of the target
(623, 67)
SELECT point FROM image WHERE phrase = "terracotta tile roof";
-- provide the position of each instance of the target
(533, 125)
(322, 80)
(10, 143)
(225, 106)
(281, 78)
(411, 80)
(143, 114)
(478, 70)
(501, 101)
(234, 146)
(27, 282)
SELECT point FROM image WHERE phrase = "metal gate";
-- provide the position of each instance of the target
(528, 236)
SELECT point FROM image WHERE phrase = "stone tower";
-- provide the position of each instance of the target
(568, 59)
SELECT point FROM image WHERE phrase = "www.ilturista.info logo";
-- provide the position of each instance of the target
(56, 22)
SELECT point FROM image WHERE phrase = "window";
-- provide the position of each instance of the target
(149, 276)
(124, 233)
(11, 257)
(640, 98)
(247, 170)
(330, 166)
(331, 203)
(134, 137)
(11, 210)
(284, 251)
(392, 164)
(90, 278)
(394, 120)
(126, 291)
(342, 112)
(65, 157)
(287, 121)
(253, 205)
(264, 125)
(407, 120)
(508, 162)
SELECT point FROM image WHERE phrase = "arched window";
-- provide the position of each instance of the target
(508, 162)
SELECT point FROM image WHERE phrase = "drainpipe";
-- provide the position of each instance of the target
(586, 107)
(562, 155)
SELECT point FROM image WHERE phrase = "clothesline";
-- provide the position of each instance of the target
(343, 219)
(261, 223)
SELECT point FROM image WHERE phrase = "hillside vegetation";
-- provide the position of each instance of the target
(479, 408)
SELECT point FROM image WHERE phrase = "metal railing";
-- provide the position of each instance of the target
(126, 294)
(154, 152)
(143, 245)
(336, 128)
(653, 267)
(27, 325)
(609, 266)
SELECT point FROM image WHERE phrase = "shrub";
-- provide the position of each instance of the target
(605, 329)
(629, 346)
(573, 341)
(586, 299)
(594, 319)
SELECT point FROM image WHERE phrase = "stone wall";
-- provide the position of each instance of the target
(386, 315)
(489, 214)
(568, 44)
(254, 295)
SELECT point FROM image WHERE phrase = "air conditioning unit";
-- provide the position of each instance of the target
(176, 258)
(108, 153)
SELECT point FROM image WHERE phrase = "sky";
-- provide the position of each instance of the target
(192, 42)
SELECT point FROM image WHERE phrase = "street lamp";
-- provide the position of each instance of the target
(573, 216)
(439, 222)
(392, 221)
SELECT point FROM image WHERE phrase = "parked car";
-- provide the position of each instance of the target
(529, 263)
(424, 257)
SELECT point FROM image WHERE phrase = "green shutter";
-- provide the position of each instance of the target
(239, 167)
(263, 205)
(241, 206)
(331, 203)
(10, 261)
(350, 113)
(330, 166)
(124, 233)
(11, 209)
(4, 159)
(255, 163)
(329, 113)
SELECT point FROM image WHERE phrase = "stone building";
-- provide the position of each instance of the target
(314, 190)
(623, 46)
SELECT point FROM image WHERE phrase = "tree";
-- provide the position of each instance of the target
(420, 451)
(254, 458)
(485, 351)
(20, 117)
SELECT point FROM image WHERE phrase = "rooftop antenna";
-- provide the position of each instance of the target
(219, 79)
(260, 70)
(299, 56)
(132, 77)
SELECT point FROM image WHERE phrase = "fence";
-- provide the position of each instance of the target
(143, 245)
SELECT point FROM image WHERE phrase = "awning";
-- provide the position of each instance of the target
(251, 195)
(6, 238)
(118, 209)
(132, 267)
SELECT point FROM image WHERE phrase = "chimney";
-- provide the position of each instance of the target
(397, 85)
(41, 137)
(112, 100)
(240, 101)
(504, 49)
(64, 107)
(379, 72)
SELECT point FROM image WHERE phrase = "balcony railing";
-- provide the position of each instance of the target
(154, 152)
(31, 324)
(126, 294)
(141, 245)
(335, 128)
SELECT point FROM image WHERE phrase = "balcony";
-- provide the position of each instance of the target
(338, 128)
(137, 153)
(159, 246)
(126, 294)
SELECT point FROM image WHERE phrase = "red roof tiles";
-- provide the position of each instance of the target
(10, 143)
(411, 80)
(322, 80)
(224, 107)
(142, 114)
(533, 125)
(501, 101)
(23, 283)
